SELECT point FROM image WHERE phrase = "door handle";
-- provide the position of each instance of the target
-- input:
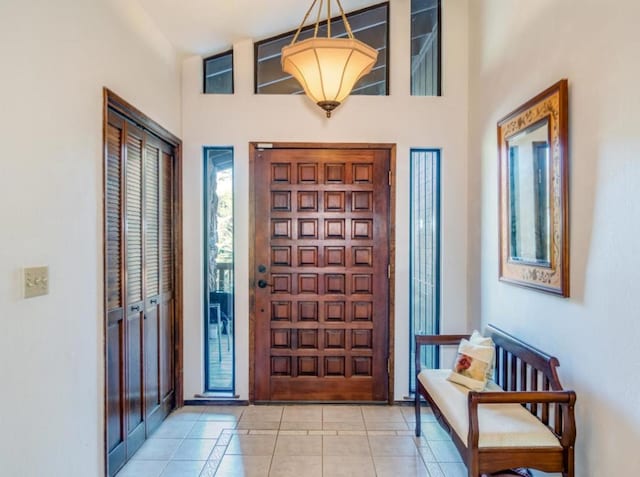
(135, 308)
(264, 284)
(153, 301)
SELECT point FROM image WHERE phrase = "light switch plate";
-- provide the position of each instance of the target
(36, 281)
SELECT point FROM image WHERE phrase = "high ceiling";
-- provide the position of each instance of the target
(205, 27)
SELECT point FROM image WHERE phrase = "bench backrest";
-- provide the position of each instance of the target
(521, 367)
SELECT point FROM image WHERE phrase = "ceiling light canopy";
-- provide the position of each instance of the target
(327, 68)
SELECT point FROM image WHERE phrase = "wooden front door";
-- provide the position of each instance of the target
(321, 259)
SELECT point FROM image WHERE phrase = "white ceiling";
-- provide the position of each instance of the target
(204, 27)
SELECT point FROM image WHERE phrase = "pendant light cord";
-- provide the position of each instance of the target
(317, 25)
(295, 38)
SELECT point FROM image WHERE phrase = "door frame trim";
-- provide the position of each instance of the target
(254, 146)
(114, 102)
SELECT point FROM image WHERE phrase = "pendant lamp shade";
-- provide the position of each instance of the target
(328, 68)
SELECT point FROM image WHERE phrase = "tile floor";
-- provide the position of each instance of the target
(296, 440)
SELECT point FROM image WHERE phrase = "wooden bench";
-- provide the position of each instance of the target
(494, 429)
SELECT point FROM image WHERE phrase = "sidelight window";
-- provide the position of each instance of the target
(218, 270)
(424, 252)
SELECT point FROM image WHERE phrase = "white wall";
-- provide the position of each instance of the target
(517, 49)
(219, 120)
(56, 57)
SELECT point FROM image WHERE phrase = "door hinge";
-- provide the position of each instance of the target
(389, 271)
(390, 178)
(388, 365)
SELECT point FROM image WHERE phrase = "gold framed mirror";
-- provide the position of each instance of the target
(534, 196)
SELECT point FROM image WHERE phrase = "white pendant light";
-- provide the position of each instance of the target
(327, 68)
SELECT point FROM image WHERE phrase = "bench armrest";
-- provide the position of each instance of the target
(521, 397)
(434, 340)
(439, 339)
(566, 431)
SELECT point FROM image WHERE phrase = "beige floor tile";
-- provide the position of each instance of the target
(177, 429)
(302, 413)
(426, 414)
(444, 451)
(338, 413)
(222, 413)
(252, 445)
(393, 446)
(292, 433)
(246, 423)
(210, 467)
(299, 445)
(432, 431)
(345, 445)
(425, 452)
(406, 433)
(348, 466)
(352, 433)
(209, 429)
(296, 440)
(434, 469)
(301, 425)
(263, 413)
(381, 433)
(296, 466)
(382, 413)
(185, 468)
(386, 425)
(409, 413)
(453, 469)
(244, 466)
(355, 425)
(396, 466)
(218, 452)
(194, 449)
(186, 413)
(157, 449)
(142, 468)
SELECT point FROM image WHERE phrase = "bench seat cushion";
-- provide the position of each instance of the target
(501, 425)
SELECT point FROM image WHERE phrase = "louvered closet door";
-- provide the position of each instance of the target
(139, 286)
(158, 313)
(114, 290)
(152, 152)
(167, 280)
(134, 287)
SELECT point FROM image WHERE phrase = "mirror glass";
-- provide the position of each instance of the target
(528, 195)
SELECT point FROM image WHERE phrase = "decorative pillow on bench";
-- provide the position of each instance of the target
(474, 363)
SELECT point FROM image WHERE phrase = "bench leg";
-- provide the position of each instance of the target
(417, 413)
(473, 466)
(570, 464)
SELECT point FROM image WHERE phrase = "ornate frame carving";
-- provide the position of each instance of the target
(552, 105)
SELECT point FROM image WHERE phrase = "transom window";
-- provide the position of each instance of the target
(218, 73)
(370, 25)
(425, 48)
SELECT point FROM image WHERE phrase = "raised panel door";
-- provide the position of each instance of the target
(321, 299)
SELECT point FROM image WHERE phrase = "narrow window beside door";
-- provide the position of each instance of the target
(218, 270)
(425, 252)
